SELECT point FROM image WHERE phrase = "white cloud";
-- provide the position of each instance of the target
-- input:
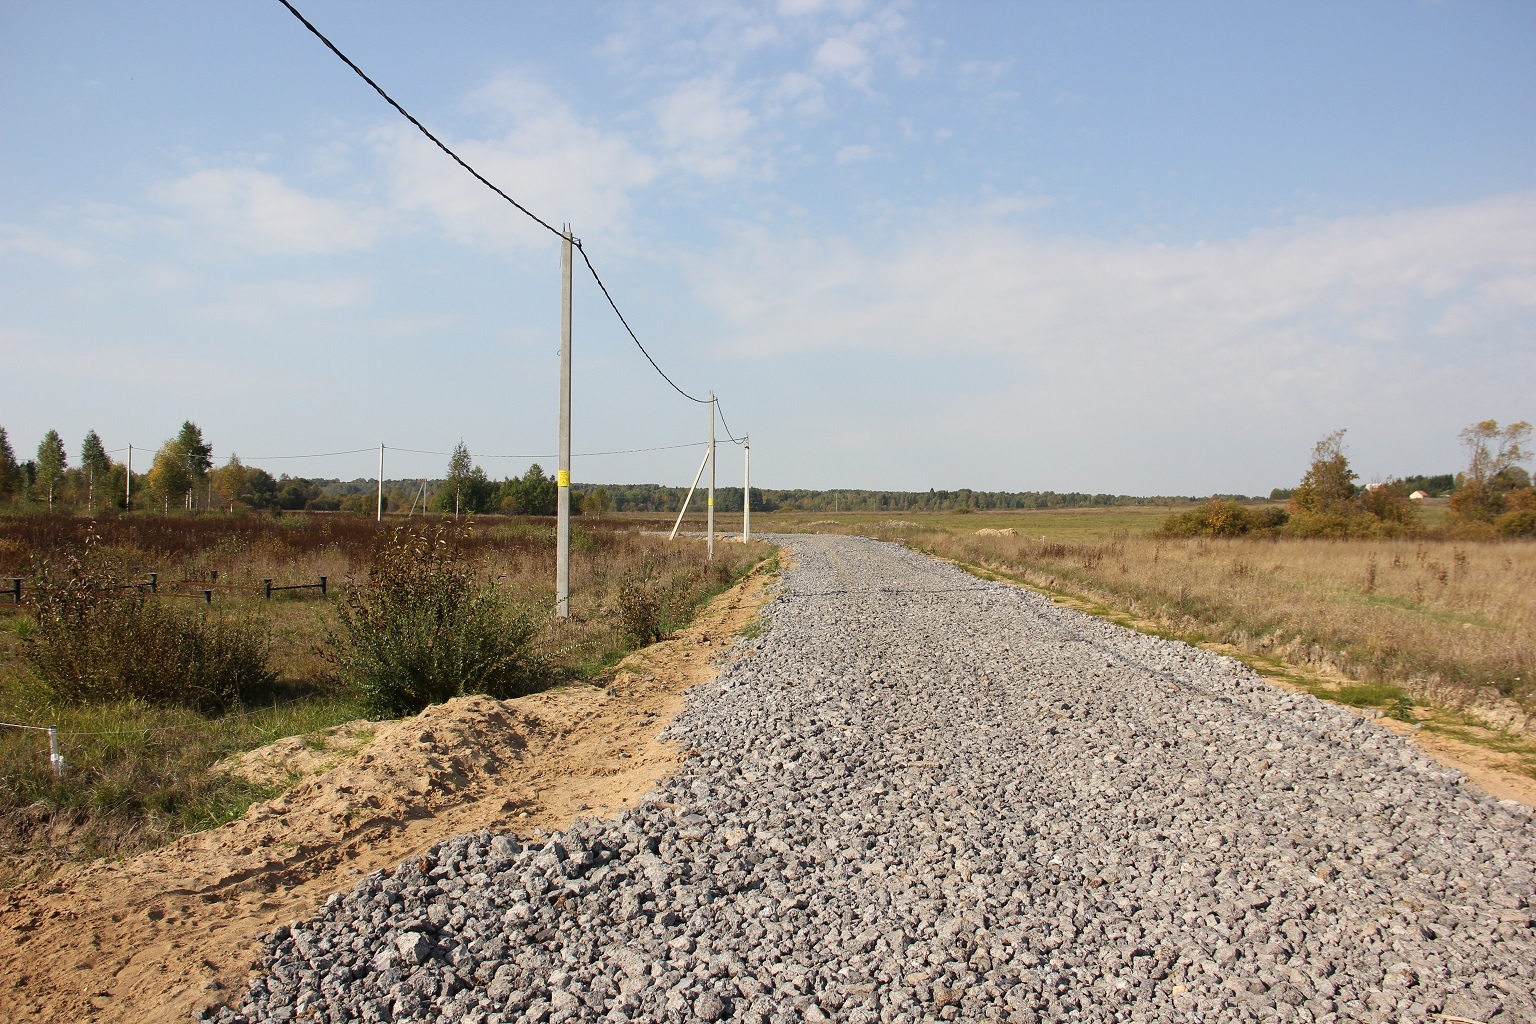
(799, 92)
(841, 55)
(549, 160)
(254, 210)
(16, 239)
(1379, 314)
(854, 154)
(704, 128)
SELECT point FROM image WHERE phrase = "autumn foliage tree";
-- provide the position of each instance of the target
(1493, 470)
(1327, 503)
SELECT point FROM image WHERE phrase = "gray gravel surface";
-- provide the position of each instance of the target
(922, 796)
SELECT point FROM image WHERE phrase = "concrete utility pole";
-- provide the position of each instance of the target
(563, 475)
(381, 483)
(711, 476)
(746, 490)
(128, 487)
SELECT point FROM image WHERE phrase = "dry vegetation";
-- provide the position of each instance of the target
(138, 768)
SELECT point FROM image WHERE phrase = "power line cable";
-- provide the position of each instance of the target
(419, 126)
(587, 260)
(487, 183)
(317, 455)
(721, 413)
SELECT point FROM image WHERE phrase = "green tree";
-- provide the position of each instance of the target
(1328, 488)
(260, 489)
(229, 480)
(532, 494)
(199, 455)
(170, 478)
(51, 463)
(10, 472)
(1493, 457)
(459, 468)
(95, 464)
(596, 501)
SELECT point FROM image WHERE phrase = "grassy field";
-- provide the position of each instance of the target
(138, 773)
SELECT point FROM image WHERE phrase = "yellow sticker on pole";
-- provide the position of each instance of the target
(563, 478)
(711, 501)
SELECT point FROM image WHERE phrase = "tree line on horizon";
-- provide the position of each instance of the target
(182, 476)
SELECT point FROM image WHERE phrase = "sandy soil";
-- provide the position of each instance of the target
(156, 937)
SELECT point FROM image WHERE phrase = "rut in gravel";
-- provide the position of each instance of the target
(918, 795)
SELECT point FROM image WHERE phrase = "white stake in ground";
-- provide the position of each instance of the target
(563, 474)
(711, 476)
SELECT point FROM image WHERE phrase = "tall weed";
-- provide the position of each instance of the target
(424, 628)
(96, 640)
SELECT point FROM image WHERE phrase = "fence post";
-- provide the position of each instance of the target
(322, 586)
(55, 759)
(16, 589)
(154, 582)
(213, 575)
(266, 589)
(207, 597)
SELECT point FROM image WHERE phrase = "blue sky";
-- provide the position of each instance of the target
(1138, 248)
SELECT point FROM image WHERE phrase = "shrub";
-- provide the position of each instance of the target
(1222, 517)
(95, 641)
(641, 607)
(425, 629)
(1520, 523)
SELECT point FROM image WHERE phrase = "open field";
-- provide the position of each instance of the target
(138, 772)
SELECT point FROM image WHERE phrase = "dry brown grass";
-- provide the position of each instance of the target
(1443, 619)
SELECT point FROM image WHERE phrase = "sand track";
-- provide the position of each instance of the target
(163, 934)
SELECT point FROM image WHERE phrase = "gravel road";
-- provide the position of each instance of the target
(923, 796)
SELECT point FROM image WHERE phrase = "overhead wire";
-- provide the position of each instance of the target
(426, 451)
(721, 413)
(317, 455)
(419, 126)
(588, 261)
(488, 184)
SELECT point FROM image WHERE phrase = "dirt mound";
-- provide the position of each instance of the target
(165, 933)
(1006, 531)
(297, 757)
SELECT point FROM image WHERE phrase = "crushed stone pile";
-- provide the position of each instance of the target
(923, 796)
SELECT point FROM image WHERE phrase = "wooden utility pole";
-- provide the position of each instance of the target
(746, 490)
(381, 483)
